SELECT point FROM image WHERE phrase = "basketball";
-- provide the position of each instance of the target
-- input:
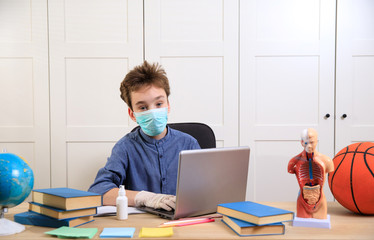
(352, 181)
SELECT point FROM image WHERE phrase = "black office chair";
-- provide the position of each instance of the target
(200, 131)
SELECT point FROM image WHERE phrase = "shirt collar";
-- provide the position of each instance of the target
(153, 141)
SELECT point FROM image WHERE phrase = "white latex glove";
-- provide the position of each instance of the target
(154, 200)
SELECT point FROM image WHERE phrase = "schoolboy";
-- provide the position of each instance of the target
(146, 160)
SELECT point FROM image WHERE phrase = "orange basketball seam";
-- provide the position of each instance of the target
(336, 170)
(372, 154)
(351, 180)
(366, 163)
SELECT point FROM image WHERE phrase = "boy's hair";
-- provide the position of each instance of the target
(143, 75)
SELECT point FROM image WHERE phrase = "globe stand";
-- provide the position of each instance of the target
(8, 227)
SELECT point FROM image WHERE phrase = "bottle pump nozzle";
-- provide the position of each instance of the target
(121, 191)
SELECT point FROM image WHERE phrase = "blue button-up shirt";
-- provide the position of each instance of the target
(142, 163)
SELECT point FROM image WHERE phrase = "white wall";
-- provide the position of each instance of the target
(257, 72)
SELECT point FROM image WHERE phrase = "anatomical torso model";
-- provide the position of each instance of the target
(310, 168)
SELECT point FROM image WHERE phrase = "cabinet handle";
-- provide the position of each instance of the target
(344, 115)
(327, 115)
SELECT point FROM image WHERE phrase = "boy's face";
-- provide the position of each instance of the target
(146, 98)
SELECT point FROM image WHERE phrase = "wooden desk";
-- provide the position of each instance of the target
(344, 225)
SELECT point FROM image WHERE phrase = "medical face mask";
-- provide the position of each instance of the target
(153, 121)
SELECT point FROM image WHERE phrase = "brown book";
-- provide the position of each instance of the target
(80, 221)
(256, 213)
(66, 198)
(243, 228)
(59, 213)
(36, 219)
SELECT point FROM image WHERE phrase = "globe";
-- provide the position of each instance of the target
(16, 183)
(16, 180)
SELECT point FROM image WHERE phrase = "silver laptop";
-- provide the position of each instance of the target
(206, 178)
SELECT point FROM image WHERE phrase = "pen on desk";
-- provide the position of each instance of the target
(196, 222)
(183, 220)
(180, 223)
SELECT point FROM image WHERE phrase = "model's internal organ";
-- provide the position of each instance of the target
(310, 175)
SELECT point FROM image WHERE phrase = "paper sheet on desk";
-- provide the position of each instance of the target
(112, 210)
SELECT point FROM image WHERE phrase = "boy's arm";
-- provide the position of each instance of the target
(143, 198)
(109, 198)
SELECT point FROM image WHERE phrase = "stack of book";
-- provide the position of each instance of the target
(254, 219)
(57, 207)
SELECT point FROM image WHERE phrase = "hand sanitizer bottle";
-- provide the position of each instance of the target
(122, 204)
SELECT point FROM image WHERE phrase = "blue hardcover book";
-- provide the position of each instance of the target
(243, 228)
(32, 218)
(66, 198)
(255, 213)
(60, 213)
(117, 233)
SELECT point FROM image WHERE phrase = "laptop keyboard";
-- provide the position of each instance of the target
(160, 212)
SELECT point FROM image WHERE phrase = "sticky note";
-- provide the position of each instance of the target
(117, 233)
(156, 232)
(69, 232)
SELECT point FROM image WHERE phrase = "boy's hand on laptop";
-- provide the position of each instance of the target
(154, 200)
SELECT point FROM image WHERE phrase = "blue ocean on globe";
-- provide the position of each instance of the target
(16, 180)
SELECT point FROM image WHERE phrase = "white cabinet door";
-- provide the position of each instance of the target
(93, 44)
(196, 41)
(286, 84)
(354, 72)
(24, 103)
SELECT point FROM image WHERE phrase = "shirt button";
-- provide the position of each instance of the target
(161, 156)
(163, 179)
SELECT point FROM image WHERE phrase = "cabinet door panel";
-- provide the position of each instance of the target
(197, 44)
(93, 44)
(286, 85)
(24, 102)
(354, 72)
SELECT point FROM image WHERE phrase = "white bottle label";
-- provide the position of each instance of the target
(122, 212)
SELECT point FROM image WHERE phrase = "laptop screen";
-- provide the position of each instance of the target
(208, 177)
